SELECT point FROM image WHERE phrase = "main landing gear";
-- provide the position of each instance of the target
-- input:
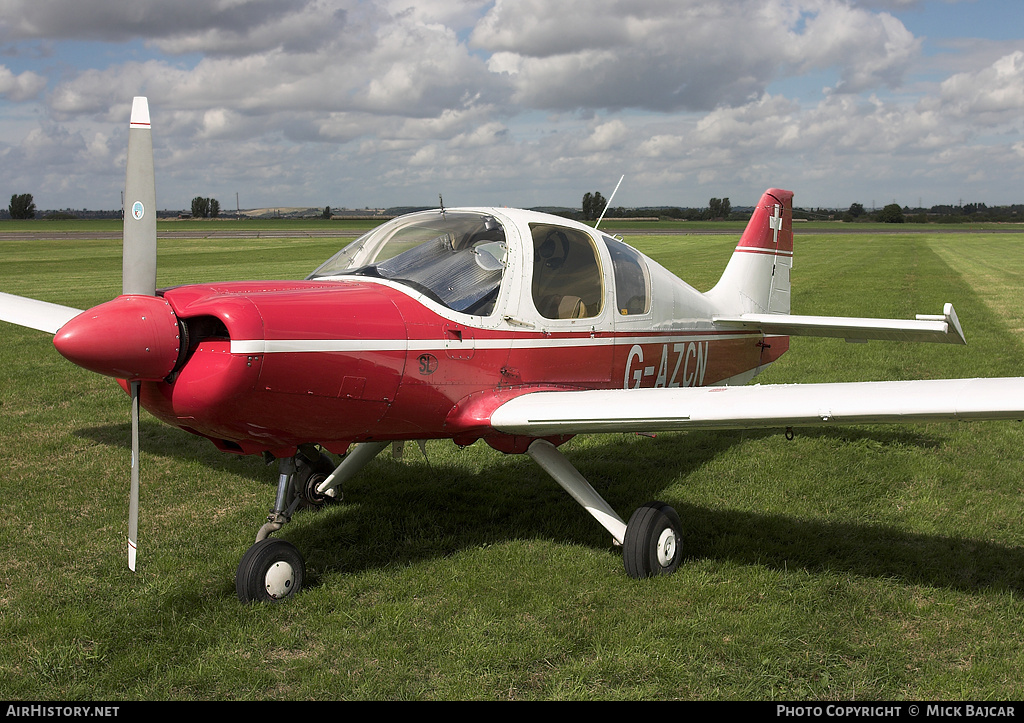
(273, 569)
(652, 541)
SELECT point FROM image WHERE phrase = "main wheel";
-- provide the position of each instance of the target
(270, 570)
(654, 541)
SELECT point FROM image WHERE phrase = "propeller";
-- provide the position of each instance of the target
(138, 268)
(135, 336)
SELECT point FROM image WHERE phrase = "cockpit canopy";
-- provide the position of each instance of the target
(459, 259)
(455, 258)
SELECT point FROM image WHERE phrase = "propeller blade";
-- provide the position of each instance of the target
(138, 267)
(133, 505)
(138, 271)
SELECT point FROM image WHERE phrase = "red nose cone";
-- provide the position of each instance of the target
(130, 337)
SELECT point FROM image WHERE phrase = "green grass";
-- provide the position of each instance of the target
(863, 563)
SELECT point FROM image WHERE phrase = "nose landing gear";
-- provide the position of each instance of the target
(272, 569)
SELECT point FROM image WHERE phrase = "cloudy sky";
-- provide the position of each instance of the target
(356, 103)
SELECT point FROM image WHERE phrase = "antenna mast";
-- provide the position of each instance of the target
(605, 209)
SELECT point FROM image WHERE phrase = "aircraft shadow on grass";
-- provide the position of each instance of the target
(401, 512)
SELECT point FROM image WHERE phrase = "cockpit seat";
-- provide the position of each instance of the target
(556, 306)
(571, 307)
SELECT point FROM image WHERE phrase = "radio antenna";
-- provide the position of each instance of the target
(609, 201)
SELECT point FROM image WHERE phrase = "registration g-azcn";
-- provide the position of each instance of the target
(931, 710)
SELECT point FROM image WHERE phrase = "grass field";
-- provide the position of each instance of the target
(863, 563)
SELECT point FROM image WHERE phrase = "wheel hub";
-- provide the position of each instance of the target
(279, 580)
(666, 547)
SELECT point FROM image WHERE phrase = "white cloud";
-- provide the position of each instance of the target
(994, 91)
(124, 20)
(506, 101)
(21, 87)
(688, 54)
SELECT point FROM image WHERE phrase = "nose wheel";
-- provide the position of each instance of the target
(271, 570)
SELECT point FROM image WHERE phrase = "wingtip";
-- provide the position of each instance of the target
(140, 112)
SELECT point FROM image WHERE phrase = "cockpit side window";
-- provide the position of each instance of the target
(567, 279)
(632, 283)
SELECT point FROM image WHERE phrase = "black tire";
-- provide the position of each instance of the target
(270, 571)
(654, 541)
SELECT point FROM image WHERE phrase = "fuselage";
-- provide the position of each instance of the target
(373, 348)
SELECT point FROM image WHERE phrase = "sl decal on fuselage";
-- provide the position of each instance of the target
(682, 364)
(428, 364)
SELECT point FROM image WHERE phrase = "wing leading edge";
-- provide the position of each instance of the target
(548, 413)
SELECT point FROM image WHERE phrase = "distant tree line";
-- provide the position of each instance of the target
(721, 209)
(594, 204)
(22, 206)
(964, 213)
(205, 207)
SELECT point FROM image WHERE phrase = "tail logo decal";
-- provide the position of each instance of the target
(775, 223)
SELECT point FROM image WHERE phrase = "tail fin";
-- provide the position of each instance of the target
(756, 280)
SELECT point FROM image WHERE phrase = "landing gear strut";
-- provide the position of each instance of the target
(651, 542)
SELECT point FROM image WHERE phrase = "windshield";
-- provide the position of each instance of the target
(455, 258)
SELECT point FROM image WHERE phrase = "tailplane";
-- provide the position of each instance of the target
(753, 293)
(756, 280)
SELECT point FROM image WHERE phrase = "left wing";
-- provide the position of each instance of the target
(35, 314)
(549, 413)
(941, 328)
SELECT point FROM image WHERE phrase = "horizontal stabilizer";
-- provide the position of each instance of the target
(34, 314)
(941, 328)
(549, 413)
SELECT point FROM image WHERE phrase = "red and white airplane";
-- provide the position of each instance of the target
(514, 327)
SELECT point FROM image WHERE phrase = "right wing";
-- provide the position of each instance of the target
(35, 314)
(550, 413)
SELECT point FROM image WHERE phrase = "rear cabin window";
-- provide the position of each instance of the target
(567, 279)
(632, 283)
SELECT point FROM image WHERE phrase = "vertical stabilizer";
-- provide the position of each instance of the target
(138, 270)
(756, 280)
